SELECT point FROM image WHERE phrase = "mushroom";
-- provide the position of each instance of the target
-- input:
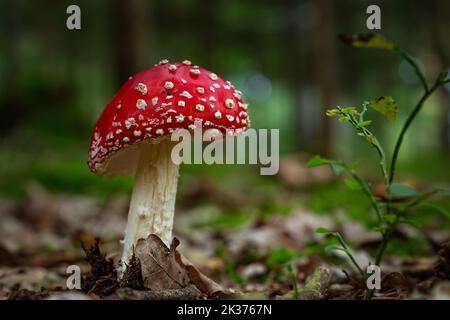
(132, 135)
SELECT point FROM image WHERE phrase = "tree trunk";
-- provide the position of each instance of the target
(131, 43)
(294, 43)
(324, 65)
(439, 33)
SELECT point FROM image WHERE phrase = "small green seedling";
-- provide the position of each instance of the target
(388, 213)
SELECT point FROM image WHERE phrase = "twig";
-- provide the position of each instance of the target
(349, 253)
(367, 192)
(405, 127)
(415, 66)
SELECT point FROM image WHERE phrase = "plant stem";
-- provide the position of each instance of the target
(349, 253)
(382, 156)
(386, 237)
(294, 282)
(415, 66)
(360, 270)
(405, 127)
(388, 233)
(368, 193)
(389, 178)
(419, 200)
(374, 142)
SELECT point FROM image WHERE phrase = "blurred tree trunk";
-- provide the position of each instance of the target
(131, 45)
(210, 35)
(294, 64)
(439, 32)
(12, 101)
(324, 64)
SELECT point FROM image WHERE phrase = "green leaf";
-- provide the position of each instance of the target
(352, 184)
(390, 217)
(323, 230)
(337, 168)
(386, 106)
(317, 161)
(332, 112)
(367, 41)
(344, 119)
(332, 247)
(349, 110)
(402, 190)
(364, 123)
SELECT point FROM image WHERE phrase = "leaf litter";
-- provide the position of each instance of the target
(40, 237)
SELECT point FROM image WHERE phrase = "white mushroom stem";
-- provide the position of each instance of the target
(152, 203)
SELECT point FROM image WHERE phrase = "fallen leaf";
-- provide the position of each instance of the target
(160, 266)
(165, 268)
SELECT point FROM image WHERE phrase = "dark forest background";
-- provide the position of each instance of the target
(284, 55)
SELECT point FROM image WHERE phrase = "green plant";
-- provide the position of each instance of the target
(388, 213)
(293, 276)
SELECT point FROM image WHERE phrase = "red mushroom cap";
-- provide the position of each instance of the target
(154, 103)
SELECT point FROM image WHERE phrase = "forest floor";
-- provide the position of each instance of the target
(258, 245)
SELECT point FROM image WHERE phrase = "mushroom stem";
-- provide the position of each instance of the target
(153, 200)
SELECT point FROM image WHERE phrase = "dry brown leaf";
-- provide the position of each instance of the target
(159, 265)
(201, 281)
(165, 268)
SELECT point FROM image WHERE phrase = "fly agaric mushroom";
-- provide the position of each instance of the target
(132, 135)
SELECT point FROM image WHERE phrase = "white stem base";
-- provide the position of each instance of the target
(152, 203)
